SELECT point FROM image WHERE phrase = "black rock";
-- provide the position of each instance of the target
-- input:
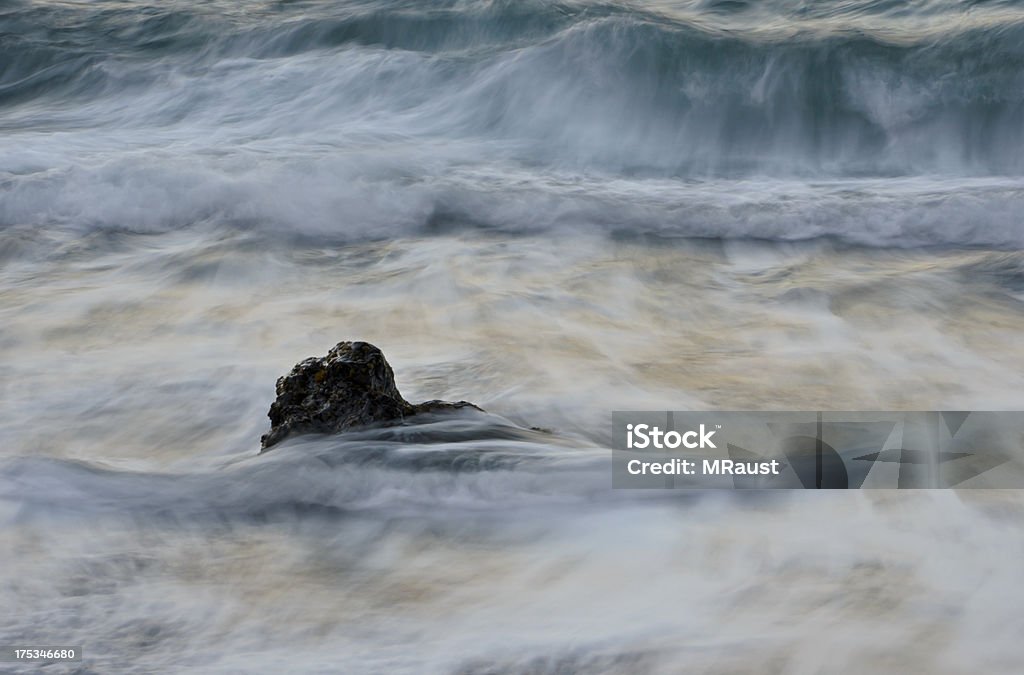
(350, 387)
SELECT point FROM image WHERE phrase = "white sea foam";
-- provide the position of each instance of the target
(552, 210)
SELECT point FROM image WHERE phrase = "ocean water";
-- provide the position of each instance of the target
(553, 210)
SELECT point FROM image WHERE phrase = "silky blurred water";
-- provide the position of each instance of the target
(141, 524)
(553, 211)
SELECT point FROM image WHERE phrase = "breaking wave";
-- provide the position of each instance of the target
(870, 123)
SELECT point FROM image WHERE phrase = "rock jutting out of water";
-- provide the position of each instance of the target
(352, 386)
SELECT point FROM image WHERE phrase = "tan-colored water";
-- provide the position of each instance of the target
(555, 332)
(175, 548)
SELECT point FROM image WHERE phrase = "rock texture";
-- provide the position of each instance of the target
(350, 387)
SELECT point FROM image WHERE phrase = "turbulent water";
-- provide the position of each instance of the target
(554, 210)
